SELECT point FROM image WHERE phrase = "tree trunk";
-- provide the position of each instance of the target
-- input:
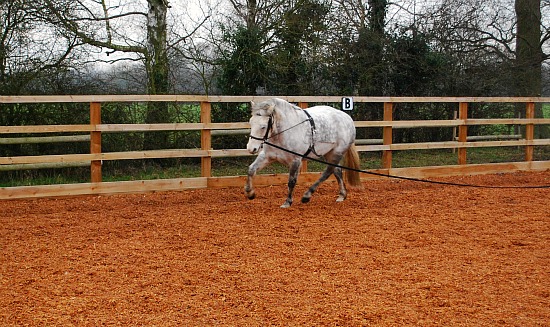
(156, 64)
(157, 56)
(529, 55)
(377, 15)
(252, 10)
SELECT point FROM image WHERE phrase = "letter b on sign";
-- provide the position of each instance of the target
(347, 103)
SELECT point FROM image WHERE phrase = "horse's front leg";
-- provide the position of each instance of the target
(292, 179)
(258, 164)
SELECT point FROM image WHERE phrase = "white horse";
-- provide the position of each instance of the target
(313, 132)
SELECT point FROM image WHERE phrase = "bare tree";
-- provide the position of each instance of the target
(126, 31)
(30, 47)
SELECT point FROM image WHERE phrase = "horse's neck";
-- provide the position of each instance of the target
(288, 116)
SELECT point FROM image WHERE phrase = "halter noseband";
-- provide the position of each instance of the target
(267, 131)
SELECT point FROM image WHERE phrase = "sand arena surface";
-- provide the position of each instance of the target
(396, 253)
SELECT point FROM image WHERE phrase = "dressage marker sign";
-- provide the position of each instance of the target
(347, 104)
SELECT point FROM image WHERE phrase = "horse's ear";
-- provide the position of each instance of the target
(253, 106)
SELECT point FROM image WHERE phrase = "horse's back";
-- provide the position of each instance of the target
(332, 124)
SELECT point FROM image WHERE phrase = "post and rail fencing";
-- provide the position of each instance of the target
(96, 128)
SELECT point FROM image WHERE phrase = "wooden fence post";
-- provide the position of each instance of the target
(455, 136)
(95, 141)
(529, 131)
(462, 131)
(206, 138)
(303, 169)
(387, 135)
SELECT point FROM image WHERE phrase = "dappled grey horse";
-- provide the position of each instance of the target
(319, 131)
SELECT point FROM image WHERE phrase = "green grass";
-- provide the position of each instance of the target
(45, 177)
(418, 158)
(153, 172)
(444, 157)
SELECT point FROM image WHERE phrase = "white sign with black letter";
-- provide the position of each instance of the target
(347, 103)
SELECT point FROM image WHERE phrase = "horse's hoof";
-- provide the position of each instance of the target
(340, 199)
(251, 196)
(286, 205)
(305, 200)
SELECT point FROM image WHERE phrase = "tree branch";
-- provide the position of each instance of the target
(72, 26)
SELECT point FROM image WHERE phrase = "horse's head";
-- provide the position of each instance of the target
(261, 125)
(264, 108)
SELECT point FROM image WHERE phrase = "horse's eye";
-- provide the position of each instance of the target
(263, 127)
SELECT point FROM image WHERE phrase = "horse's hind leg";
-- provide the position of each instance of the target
(339, 177)
(326, 174)
(292, 179)
(335, 159)
(331, 157)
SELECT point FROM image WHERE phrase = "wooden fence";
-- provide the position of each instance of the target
(96, 128)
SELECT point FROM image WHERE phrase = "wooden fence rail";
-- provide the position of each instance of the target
(208, 129)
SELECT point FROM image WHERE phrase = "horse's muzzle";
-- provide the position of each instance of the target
(254, 149)
(253, 146)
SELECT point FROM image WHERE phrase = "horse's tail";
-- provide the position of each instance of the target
(352, 160)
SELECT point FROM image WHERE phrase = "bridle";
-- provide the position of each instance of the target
(267, 131)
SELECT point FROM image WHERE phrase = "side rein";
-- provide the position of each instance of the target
(270, 127)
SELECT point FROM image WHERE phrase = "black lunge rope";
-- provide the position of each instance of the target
(403, 177)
